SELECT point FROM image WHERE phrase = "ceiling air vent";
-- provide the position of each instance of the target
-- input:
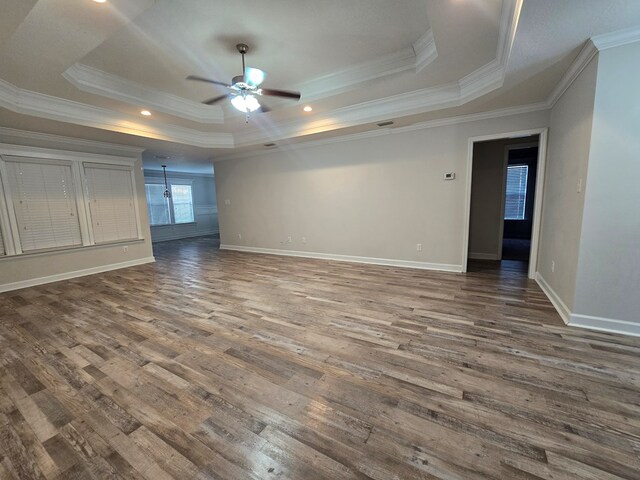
(385, 124)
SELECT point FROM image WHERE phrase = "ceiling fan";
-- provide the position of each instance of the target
(244, 89)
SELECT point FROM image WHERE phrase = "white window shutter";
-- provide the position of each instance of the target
(44, 202)
(111, 203)
(2, 250)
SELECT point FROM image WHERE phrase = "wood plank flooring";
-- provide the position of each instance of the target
(228, 365)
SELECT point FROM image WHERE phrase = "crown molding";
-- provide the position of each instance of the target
(577, 66)
(54, 108)
(589, 51)
(479, 82)
(509, 20)
(418, 101)
(491, 75)
(348, 78)
(617, 38)
(414, 58)
(117, 149)
(92, 80)
(440, 122)
(425, 50)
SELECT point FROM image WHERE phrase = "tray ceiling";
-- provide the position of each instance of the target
(357, 63)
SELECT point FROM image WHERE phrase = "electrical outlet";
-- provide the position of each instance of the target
(227, 202)
(239, 236)
(304, 240)
(418, 247)
(289, 239)
(553, 266)
(125, 249)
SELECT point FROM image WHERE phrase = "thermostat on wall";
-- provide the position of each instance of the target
(449, 176)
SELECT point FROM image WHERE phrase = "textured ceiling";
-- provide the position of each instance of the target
(85, 69)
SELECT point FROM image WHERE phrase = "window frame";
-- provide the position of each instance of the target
(76, 160)
(171, 182)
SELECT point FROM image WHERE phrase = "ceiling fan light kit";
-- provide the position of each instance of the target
(245, 104)
(244, 89)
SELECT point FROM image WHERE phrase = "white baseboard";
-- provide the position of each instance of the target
(602, 324)
(483, 256)
(32, 282)
(348, 258)
(557, 302)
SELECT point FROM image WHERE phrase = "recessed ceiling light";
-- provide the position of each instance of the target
(307, 108)
(146, 113)
(100, 1)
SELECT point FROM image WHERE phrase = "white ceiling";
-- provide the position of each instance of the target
(79, 68)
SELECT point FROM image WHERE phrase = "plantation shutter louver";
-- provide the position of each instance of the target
(44, 202)
(516, 192)
(111, 203)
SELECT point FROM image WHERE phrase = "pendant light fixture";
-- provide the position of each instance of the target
(167, 193)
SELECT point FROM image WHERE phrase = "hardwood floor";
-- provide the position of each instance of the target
(213, 364)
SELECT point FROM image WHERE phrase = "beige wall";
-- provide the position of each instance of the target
(373, 197)
(567, 162)
(35, 268)
(608, 275)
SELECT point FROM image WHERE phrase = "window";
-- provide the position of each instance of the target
(516, 192)
(182, 203)
(157, 204)
(44, 201)
(55, 200)
(111, 203)
(174, 210)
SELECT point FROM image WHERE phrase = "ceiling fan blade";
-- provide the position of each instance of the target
(281, 93)
(254, 76)
(213, 100)
(207, 80)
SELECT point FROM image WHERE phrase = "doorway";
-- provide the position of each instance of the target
(520, 185)
(505, 175)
